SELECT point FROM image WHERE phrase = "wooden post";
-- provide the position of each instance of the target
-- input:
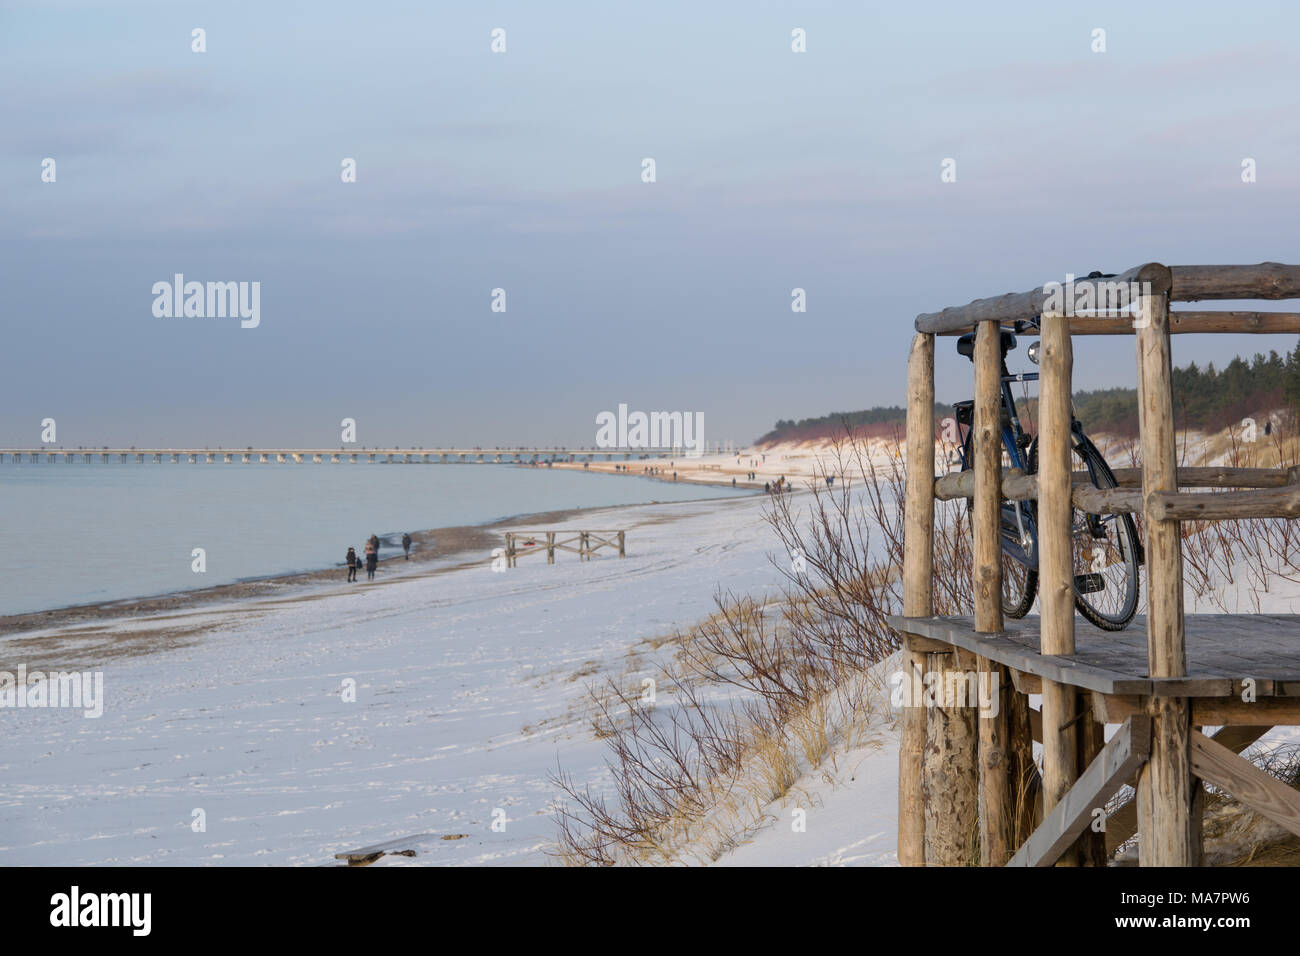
(1165, 818)
(550, 547)
(1056, 559)
(950, 783)
(951, 777)
(1091, 734)
(622, 551)
(987, 516)
(510, 549)
(918, 568)
(996, 826)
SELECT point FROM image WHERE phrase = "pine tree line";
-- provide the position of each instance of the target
(1205, 399)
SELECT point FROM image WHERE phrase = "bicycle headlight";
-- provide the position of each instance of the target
(1034, 349)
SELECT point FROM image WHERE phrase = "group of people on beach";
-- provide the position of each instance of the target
(371, 552)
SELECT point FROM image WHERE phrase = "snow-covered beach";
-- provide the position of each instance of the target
(431, 710)
(470, 691)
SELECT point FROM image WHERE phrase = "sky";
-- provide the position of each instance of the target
(522, 170)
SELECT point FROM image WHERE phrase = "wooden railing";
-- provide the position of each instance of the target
(587, 543)
(1160, 742)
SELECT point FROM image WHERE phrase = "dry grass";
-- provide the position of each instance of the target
(761, 692)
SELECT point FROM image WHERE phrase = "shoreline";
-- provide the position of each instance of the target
(448, 542)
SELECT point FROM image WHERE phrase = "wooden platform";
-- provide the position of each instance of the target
(1222, 651)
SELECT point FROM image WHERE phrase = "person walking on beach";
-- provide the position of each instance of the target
(406, 545)
(352, 563)
(372, 556)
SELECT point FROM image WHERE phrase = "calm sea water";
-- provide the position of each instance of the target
(75, 533)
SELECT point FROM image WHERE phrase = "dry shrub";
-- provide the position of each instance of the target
(795, 676)
(1230, 563)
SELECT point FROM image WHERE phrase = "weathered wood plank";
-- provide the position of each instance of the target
(1122, 823)
(1222, 650)
(1013, 653)
(1116, 763)
(1026, 683)
(1231, 711)
(1262, 792)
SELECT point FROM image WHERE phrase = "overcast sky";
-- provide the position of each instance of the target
(522, 170)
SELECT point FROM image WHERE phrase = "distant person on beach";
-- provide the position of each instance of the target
(372, 556)
(352, 563)
(406, 545)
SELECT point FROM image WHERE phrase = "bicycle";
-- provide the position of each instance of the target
(1107, 550)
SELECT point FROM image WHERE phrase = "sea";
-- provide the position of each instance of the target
(82, 533)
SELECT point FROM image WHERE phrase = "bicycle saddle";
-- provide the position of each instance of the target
(966, 344)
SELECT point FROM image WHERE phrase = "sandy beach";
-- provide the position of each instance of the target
(471, 689)
(797, 463)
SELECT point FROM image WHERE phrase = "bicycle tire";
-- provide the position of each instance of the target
(1019, 582)
(1126, 543)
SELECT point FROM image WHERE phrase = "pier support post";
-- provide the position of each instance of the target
(1164, 800)
(918, 568)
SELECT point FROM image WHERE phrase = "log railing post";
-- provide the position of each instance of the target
(1056, 558)
(918, 594)
(993, 734)
(1165, 819)
(986, 517)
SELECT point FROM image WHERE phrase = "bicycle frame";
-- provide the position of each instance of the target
(1019, 533)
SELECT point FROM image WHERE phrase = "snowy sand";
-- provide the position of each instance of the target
(470, 691)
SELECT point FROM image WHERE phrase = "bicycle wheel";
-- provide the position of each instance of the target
(1019, 586)
(1019, 581)
(1105, 548)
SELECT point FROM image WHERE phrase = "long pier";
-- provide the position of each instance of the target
(336, 455)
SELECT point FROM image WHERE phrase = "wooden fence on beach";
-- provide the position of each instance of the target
(587, 544)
